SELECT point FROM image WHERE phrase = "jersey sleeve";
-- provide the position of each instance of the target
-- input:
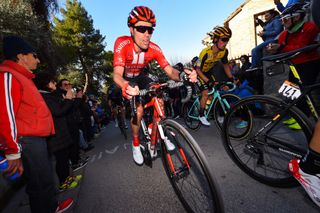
(10, 97)
(119, 51)
(224, 59)
(158, 55)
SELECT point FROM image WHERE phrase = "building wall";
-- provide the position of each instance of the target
(242, 25)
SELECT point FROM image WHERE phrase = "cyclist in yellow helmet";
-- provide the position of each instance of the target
(208, 60)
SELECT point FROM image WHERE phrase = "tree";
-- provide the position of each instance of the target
(82, 45)
(23, 18)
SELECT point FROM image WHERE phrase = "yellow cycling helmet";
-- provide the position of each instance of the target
(219, 31)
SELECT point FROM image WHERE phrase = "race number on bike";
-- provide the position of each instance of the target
(289, 90)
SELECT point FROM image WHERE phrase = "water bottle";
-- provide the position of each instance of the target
(4, 165)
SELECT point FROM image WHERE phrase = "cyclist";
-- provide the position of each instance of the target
(115, 100)
(208, 61)
(131, 55)
(307, 172)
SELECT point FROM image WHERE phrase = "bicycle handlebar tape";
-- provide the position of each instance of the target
(183, 77)
(133, 105)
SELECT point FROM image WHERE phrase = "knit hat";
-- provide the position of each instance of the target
(13, 45)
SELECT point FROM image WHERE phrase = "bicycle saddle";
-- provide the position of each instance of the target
(291, 54)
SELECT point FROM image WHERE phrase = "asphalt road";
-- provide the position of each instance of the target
(113, 183)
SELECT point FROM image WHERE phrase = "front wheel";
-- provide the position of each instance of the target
(188, 171)
(266, 151)
(190, 115)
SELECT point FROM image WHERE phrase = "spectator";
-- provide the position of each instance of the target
(85, 121)
(25, 121)
(299, 33)
(280, 6)
(271, 29)
(59, 143)
(73, 120)
(233, 67)
(245, 63)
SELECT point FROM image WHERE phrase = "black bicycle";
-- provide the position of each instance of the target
(265, 153)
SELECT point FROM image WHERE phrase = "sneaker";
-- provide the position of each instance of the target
(295, 126)
(71, 179)
(64, 205)
(204, 121)
(310, 183)
(242, 124)
(67, 185)
(79, 165)
(289, 121)
(137, 155)
(170, 146)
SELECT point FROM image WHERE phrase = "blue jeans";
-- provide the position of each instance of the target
(38, 171)
(256, 54)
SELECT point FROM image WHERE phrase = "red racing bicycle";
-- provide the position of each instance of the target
(186, 165)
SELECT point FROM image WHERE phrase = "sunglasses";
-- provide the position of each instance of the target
(143, 29)
(35, 55)
(225, 39)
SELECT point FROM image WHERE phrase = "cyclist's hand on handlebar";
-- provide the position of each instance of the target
(211, 84)
(192, 75)
(129, 91)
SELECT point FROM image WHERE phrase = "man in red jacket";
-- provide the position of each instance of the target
(25, 121)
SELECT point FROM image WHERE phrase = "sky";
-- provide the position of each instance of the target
(181, 24)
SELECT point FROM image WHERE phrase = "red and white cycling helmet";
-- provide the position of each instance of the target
(141, 13)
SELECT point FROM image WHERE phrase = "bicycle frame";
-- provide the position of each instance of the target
(276, 118)
(216, 96)
(157, 130)
(309, 98)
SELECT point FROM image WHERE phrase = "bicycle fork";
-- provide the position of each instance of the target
(175, 171)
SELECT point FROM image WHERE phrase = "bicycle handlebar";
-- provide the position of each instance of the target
(157, 87)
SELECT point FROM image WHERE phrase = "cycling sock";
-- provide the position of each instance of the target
(311, 163)
(201, 112)
(136, 141)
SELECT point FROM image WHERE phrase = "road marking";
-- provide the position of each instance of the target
(126, 144)
(100, 155)
(93, 158)
(112, 151)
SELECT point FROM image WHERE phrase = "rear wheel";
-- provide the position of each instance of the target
(189, 172)
(265, 152)
(190, 113)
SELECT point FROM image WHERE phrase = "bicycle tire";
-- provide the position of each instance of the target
(192, 181)
(265, 153)
(190, 122)
(219, 113)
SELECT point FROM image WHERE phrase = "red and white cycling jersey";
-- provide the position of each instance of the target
(133, 62)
